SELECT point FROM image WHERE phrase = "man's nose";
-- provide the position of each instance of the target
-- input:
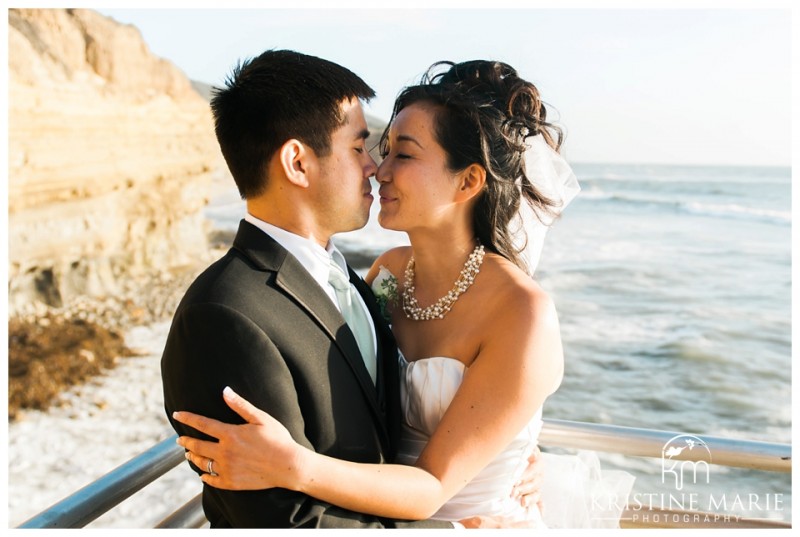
(371, 168)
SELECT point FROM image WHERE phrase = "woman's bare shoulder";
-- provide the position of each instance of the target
(518, 298)
(393, 260)
(519, 306)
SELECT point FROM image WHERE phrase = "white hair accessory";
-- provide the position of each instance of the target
(550, 174)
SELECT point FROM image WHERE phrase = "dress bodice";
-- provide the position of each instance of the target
(427, 387)
(578, 494)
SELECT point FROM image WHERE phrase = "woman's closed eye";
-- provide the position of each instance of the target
(385, 154)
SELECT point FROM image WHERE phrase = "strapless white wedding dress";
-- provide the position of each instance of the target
(427, 387)
(575, 492)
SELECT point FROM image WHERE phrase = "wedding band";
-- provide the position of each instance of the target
(210, 468)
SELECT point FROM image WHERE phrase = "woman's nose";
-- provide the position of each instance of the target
(382, 174)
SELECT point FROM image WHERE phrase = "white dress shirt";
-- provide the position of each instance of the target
(315, 259)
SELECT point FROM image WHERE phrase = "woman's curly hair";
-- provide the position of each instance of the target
(484, 114)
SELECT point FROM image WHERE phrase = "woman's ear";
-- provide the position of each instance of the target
(295, 160)
(472, 179)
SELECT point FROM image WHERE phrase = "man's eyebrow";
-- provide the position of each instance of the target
(407, 138)
(362, 135)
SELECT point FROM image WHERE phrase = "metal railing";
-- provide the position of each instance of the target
(90, 502)
(765, 456)
(99, 497)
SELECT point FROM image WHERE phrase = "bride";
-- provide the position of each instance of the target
(471, 173)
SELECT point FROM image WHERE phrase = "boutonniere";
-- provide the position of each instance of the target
(384, 287)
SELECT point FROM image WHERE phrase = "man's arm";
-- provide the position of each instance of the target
(211, 346)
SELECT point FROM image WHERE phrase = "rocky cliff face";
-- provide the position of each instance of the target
(111, 154)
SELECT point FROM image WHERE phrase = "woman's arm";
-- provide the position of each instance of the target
(261, 454)
(516, 369)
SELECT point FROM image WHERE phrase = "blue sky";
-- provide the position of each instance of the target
(674, 86)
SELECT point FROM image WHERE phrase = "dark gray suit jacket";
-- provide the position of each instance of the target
(256, 321)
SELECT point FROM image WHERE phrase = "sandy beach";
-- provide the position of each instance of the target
(94, 428)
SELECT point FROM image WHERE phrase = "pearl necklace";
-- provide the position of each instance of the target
(441, 307)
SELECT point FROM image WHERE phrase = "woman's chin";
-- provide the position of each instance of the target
(386, 222)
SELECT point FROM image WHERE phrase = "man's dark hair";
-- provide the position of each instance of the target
(273, 98)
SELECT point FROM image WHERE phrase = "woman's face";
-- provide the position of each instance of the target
(417, 189)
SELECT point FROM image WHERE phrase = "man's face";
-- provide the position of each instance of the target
(342, 190)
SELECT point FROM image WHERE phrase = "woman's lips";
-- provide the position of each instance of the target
(386, 199)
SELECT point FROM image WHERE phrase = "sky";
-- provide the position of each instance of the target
(653, 85)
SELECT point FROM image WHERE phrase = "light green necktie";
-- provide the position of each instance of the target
(354, 315)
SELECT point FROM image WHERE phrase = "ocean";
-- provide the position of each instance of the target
(673, 287)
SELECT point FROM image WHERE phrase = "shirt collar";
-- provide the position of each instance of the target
(314, 258)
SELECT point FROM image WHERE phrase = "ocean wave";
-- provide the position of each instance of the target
(691, 183)
(692, 176)
(598, 194)
(594, 194)
(719, 210)
(733, 210)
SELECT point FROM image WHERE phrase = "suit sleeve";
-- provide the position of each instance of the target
(211, 346)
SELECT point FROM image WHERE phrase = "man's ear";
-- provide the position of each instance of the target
(296, 159)
(472, 180)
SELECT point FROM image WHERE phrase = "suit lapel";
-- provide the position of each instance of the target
(296, 282)
(388, 382)
(382, 333)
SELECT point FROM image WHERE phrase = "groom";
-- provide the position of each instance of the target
(267, 319)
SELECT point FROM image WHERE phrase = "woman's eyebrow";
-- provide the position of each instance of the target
(407, 138)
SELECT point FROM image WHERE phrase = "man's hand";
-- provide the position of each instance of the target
(528, 488)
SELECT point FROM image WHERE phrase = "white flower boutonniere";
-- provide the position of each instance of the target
(384, 287)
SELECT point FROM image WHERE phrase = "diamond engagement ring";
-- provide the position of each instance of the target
(210, 468)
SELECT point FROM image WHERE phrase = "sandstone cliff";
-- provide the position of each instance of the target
(111, 153)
